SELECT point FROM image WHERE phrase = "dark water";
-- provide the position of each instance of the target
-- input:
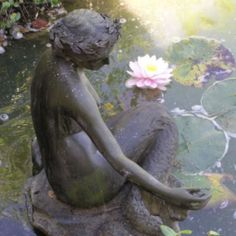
(149, 27)
(16, 65)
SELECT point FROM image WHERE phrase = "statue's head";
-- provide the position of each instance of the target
(85, 37)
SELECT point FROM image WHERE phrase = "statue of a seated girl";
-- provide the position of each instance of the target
(87, 160)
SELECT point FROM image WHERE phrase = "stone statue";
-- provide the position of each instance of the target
(105, 176)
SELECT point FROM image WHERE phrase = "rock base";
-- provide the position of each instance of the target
(126, 214)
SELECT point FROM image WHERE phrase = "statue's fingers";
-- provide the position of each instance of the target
(199, 192)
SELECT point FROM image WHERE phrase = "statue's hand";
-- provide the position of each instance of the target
(191, 198)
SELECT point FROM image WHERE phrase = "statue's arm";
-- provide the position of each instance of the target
(83, 108)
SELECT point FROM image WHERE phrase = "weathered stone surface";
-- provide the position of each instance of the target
(126, 214)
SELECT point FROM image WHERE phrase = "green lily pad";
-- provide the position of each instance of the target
(220, 100)
(192, 181)
(200, 144)
(199, 59)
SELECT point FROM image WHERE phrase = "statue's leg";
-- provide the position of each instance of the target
(146, 132)
(147, 135)
(141, 132)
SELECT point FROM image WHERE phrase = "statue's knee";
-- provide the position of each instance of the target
(154, 107)
(153, 111)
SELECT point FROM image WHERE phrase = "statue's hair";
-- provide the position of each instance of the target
(86, 33)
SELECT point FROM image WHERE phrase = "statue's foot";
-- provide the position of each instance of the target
(191, 198)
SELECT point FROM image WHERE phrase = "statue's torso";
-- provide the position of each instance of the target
(75, 169)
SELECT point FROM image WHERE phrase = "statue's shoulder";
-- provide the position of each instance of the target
(43, 70)
(47, 65)
(45, 60)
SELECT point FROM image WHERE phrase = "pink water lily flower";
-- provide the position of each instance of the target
(149, 72)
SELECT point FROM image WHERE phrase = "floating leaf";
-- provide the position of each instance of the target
(220, 192)
(220, 100)
(108, 106)
(200, 144)
(198, 59)
(186, 231)
(109, 109)
(167, 231)
(213, 233)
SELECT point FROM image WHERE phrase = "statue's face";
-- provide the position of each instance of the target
(98, 64)
(94, 64)
(84, 62)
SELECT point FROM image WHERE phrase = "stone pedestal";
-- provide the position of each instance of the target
(129, 213)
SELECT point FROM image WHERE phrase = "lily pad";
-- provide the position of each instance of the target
(220, 100)
(200, 144)
(199, 59)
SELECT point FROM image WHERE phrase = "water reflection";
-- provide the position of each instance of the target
(169, 20)
(16, 65)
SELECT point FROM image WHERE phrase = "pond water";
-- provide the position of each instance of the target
(207, 149)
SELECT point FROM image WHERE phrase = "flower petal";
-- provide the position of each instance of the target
(153, 85)
(147, 82)
(140, 83)
(130, 83)
(163, 88)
